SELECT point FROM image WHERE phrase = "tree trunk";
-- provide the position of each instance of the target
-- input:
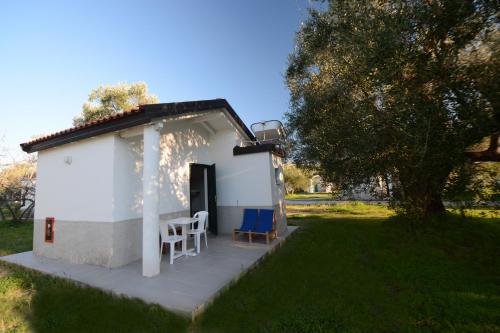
(27, 211)
(12, 212)
(423, 200)
(435, 205)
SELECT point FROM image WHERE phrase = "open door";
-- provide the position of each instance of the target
(212, 200)
(203, 193)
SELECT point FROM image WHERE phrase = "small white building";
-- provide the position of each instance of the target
(103, 186)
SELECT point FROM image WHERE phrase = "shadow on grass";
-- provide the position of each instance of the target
(336, 274)
(342, 274)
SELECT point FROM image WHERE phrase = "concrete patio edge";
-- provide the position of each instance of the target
(202, 307)
(172, 284)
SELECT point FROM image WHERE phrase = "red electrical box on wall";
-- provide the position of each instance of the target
(49, 229)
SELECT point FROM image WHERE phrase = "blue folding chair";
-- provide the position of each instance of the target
(249, 223)
(265, 223)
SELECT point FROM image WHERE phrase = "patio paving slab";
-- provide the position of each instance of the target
(186, 287)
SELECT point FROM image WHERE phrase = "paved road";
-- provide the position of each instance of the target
(493, 204)
(329, 202)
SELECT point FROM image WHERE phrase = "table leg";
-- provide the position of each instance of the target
(184, 241)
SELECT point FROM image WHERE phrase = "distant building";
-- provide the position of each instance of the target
(377, 189)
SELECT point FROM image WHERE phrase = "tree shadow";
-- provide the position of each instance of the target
(439, 277)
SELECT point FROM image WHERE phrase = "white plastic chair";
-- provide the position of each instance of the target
(166, 237)
(201, 229)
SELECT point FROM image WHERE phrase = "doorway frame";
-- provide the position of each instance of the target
(210, 193)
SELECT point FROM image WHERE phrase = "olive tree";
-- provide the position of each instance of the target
(296, 179)
(17, 190)
(106, 100)
(398, 88)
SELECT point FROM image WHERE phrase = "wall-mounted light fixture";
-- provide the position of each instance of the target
(278, 175)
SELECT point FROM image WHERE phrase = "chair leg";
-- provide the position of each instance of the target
(172, 250)
(198, 236)
(206, 242)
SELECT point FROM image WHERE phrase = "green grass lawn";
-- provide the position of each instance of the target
(15, 237)
(350, 268)
(305, 196)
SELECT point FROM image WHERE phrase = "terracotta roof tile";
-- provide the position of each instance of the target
(94, 122)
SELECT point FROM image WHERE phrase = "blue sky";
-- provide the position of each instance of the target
(52, 53)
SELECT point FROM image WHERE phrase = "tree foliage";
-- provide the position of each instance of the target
(106, 100)
(474, 182)
(296, 179)
(17, 190)
(399, 88)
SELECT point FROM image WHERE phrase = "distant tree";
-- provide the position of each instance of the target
(106, 100)
(17, 190)
(474, 183)
(3, 151)
(399, 88)
(296, 179)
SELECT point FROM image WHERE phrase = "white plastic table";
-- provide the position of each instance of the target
(183, 222)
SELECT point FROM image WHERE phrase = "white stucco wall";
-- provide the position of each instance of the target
(127, 179)
(104, 181)
(80, 191)
(277, 187)
(278, 192)
(103, 184)
(242, 180)
(181, 144)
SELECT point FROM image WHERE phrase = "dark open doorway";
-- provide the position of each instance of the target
(202, 192)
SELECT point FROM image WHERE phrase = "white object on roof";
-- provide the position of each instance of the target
(269, 131)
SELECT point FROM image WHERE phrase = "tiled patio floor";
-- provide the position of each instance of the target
(185, 287)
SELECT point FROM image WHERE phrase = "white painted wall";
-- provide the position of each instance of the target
(80, 191)
(127, 181)
(182, 143)
(277, 187)
(242, 180)
(278, 192)
(104, 181)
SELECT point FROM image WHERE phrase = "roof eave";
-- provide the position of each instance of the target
(144, 115)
